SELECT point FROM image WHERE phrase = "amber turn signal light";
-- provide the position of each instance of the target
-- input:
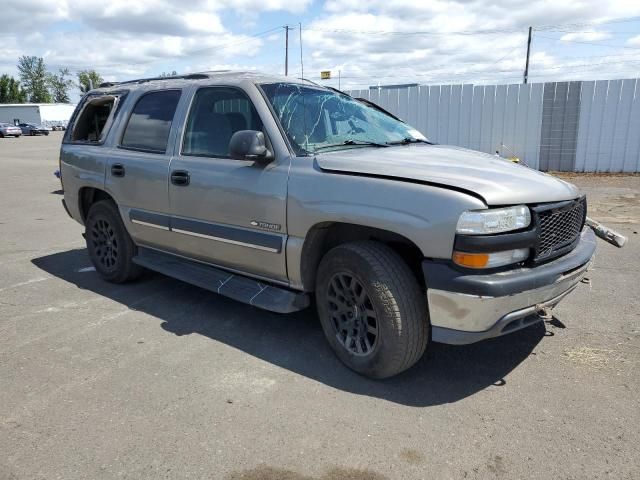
(471, 260)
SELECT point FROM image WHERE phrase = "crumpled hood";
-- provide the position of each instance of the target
(496, 180)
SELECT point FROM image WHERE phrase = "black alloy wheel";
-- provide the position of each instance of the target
(110, 246)
(372, 309)
(105, 244)
(354, 319)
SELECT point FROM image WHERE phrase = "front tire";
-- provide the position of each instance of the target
(372, 310)
(110, 247)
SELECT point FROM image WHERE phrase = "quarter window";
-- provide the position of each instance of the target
(150, 122)
(216, 114)
(93, 122)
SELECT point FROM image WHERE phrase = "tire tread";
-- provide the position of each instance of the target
(128, 270)
(397, 289)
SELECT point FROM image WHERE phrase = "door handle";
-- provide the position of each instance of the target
(180, 178)
(117, 170)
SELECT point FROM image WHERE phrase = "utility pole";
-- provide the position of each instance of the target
(526, 65)
(286, 50)
(301, 63)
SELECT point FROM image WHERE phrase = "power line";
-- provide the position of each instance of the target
(177, 56)
(472, 73)
(549, 27)
(583, 24)
(590, 64)
(591, 31)
(588, 43)
(415, 32)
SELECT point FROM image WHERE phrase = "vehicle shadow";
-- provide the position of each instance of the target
(445, 374)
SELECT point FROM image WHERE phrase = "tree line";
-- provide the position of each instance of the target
(36, 84)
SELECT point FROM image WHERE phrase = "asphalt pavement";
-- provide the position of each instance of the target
(158, 379)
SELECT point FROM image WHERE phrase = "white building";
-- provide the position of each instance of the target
(38, 113)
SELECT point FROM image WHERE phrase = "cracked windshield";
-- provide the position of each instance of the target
(317, 119)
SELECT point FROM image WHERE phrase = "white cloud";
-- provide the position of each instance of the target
(124, 38)
(585, 36)
(357, 37)
(19, 18)
(175, 17)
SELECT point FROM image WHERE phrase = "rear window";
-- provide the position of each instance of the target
(94, 119)
(150, 122)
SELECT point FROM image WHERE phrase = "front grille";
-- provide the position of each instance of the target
(559, 226)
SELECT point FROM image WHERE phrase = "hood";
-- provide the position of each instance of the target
(496, 180)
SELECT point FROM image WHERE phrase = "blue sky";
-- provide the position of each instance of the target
(370, 42)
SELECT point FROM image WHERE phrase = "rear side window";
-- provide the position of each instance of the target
(94, 119)
(216, 114)
(150, 122)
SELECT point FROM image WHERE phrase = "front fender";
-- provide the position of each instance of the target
(424, 214)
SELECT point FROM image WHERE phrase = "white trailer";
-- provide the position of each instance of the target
(47, 114)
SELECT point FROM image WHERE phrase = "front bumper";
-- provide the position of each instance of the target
(467, 307)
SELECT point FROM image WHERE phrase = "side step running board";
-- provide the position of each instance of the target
(232, 285)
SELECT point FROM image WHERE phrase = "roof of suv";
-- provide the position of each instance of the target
(212, 77)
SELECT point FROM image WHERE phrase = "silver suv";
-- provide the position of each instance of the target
(273, 191)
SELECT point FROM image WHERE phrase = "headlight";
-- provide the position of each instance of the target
(494, 220)
(490, 260)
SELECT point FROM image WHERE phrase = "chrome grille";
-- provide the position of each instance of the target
(559, 227)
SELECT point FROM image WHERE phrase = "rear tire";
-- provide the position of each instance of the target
(110, 247)
(372, 310)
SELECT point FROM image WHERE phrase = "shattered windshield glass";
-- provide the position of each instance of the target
(317, 119)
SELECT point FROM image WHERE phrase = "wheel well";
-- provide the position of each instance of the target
(88, 196)
(323, 237)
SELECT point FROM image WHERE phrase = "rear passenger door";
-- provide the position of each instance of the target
(227, 212)
(137, 170)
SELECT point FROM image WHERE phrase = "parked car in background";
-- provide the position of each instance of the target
(31, 129)
(56, 128)
(8, 130)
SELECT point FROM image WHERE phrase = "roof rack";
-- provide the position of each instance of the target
(190, 76)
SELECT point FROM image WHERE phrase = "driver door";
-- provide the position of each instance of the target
(230, 213)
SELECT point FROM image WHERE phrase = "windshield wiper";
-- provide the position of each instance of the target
(408, 140)
(352, 142)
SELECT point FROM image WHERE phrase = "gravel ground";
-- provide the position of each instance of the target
(158, 379)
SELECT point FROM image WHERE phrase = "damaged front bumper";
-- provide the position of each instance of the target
(468, 307)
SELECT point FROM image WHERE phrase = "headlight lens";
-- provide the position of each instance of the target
(494, 220)
(490, 260)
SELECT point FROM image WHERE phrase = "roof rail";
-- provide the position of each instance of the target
(189, 76)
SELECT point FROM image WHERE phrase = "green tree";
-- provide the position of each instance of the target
(88, 77)
(34, 78)
(60, 84)
(10, 90)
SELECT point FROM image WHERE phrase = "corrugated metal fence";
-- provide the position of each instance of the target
(567, 126)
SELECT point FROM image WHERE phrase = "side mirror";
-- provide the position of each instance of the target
(249, 145)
